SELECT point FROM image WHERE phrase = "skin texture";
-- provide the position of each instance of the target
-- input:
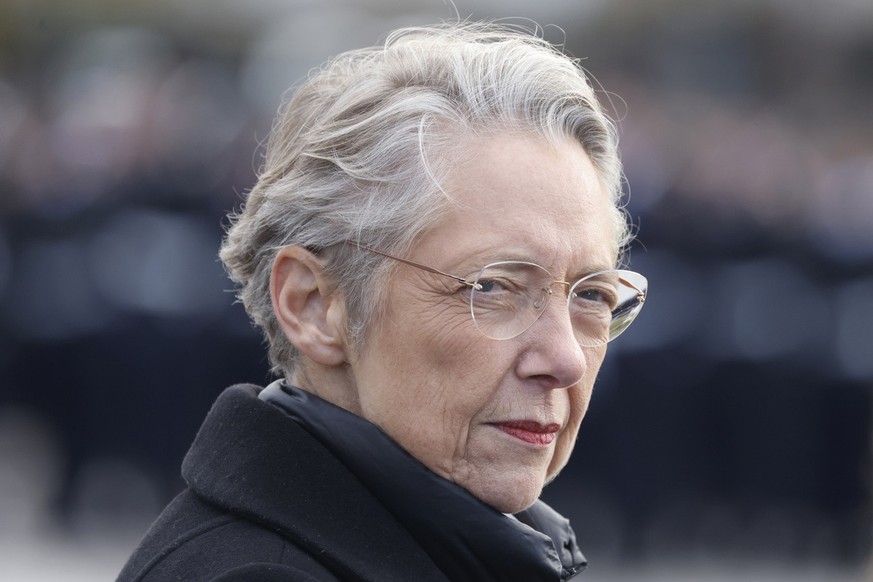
(426, 375)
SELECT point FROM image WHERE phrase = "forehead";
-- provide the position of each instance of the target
(521, 196)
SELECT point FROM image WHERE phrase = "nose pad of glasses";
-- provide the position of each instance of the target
(540, 303)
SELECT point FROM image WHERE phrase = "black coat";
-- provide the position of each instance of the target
(271, 496)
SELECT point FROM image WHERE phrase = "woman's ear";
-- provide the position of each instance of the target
(310, 312)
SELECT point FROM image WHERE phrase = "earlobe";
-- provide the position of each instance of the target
(309, 311)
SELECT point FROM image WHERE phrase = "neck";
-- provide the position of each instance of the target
(333, 384)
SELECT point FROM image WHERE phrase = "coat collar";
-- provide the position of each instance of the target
(249, 459)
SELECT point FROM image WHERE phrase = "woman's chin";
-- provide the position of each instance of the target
(509, 495)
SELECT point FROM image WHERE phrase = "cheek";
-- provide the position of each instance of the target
(429, 378)
(454, 383)
(580, 396)
(446, 352)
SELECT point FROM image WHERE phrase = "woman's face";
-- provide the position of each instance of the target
(499, 418)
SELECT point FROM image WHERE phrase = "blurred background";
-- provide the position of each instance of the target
(730, 432)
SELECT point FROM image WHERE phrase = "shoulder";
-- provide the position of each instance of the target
(266, 573)
(193, 541)
(264, 493)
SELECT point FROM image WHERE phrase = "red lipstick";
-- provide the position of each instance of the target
(530, 431)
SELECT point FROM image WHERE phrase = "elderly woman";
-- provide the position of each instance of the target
(431, 249)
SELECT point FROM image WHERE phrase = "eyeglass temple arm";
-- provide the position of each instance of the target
(412, 263)
(642, 296)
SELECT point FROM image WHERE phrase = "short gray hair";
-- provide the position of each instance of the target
(360, 149)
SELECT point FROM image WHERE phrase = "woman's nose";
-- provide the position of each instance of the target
(554, 355)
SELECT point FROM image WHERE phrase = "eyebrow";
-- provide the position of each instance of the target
(590, 270)
(480, 260)
(572, 275)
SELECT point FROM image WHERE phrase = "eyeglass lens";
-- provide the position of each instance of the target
(509, 296)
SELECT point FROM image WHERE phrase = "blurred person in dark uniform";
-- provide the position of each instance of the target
(433, 251)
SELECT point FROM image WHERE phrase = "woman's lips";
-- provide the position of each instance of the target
(530, 431)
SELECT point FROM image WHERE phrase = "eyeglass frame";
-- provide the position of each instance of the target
(641, 294)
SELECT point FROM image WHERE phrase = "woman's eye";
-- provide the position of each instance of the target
(590, 295)
(488, 286)
(484, 286)
(595, 295)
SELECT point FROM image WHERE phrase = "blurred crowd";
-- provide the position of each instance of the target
(734, 422)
